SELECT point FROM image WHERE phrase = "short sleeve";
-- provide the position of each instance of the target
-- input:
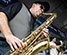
(52, 44)
(12, 10)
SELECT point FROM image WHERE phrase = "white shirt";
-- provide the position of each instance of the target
(52, 50)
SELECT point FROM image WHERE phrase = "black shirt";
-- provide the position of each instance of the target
(12, 10)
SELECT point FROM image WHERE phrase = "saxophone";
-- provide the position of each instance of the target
(32, 44)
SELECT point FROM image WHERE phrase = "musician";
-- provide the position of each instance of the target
(16, 22)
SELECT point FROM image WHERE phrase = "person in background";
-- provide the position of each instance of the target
(53, 46)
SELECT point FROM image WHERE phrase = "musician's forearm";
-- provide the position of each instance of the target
(14, 42)
(4, 25)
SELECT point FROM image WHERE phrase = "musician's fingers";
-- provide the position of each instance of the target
(45, 30)
(42, 36)
(15, 46)
(11, 46)
(22, 43)
(45, 34)
(19, 44)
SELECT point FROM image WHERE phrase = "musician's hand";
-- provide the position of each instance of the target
(14, 42)
(45, 32)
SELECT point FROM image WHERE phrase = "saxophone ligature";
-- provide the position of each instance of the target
(31, 44)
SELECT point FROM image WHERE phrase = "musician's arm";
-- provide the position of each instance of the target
(4, 25)
(10, 38)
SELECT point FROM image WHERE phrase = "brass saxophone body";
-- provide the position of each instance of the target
(31, 44)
